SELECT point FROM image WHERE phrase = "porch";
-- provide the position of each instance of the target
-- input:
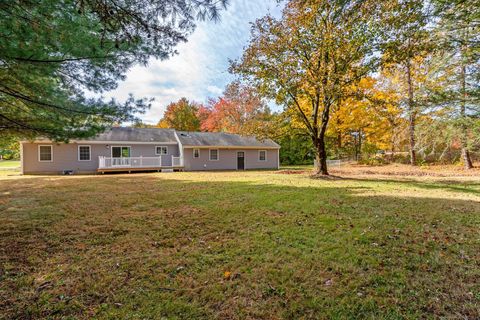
(129, 164)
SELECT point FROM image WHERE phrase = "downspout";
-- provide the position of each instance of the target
(278, 159)
(180, 148)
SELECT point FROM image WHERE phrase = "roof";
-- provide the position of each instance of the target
(188, 139)
(136, 135)
(220, 139)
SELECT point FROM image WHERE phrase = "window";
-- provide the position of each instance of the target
(121, 152)
(213, 154)
(84, 153)
(45, 153)
(161, 150)
(196, 153)
(262, 155)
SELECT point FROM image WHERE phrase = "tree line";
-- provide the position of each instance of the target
(356, 78)
(387, 71)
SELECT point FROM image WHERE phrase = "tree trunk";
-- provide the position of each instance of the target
(360, 144)
(467, 160)
(320, 156)
(411, 115)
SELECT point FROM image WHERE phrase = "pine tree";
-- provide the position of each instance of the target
(52, 52)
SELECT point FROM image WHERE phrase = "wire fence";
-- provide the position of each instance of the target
(331, 163)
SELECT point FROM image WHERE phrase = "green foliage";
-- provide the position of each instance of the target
(9, 148)
(52, 52)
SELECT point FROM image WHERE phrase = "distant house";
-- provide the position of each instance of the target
(135, 149)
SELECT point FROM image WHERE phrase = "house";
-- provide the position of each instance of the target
(140, 149)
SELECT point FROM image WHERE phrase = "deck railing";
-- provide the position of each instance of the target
(137, 162)
(177, 162)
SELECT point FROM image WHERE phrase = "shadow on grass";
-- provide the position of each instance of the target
(119, 246)
(448, 185)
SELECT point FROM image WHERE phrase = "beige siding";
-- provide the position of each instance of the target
(228, 160)
(65, 156)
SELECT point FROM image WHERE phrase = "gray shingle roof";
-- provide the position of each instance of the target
(196, 139)
(137, 135)
(221, 139)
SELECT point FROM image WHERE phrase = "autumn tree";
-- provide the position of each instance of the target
(181, 115)
(52, 52)
(309, 58)
(239, 110)
(370, 117)
(407, 38)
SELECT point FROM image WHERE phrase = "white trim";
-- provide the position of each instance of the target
(89, 152)
(51, 152)
(130, 152)
(260, 160)
(21, 158)
(193, 153)
(106, 142)
(161, 154)
(232, 147)
(278, 159)
(210, 155)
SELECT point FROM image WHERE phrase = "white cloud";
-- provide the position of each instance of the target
(201, 68)
(214, 90)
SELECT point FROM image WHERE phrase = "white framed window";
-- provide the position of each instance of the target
(196, 153)
(45, 153)
(161, 150)
(262, 155)
(84, 153)
(213, 154)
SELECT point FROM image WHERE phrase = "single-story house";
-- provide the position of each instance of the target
(140, 149)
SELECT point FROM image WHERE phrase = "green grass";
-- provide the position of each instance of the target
(9, 164)
(228, 245)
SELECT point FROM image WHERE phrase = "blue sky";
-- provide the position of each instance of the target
(201, 68)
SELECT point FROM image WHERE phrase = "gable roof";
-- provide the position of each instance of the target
(136, 135)
(220, 139)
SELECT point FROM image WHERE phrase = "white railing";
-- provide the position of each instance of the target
(138, 162)
(132, 162)
(177, 162)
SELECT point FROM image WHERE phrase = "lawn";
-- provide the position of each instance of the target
(6, 164)
(235, 245)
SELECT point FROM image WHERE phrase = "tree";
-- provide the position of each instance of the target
(240, 110)
(310, 58)
(9, 148)
(52, 51)
(459, 37)
(181, 115)
(370, 117)
(407, 39)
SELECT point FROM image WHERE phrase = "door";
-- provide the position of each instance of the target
(120, 156)
(240, 160)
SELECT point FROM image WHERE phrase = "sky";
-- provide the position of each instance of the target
(200, 70)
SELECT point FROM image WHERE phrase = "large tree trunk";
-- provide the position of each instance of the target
(467, 160)
(319, 143)
(411, 115)
(320, 156)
